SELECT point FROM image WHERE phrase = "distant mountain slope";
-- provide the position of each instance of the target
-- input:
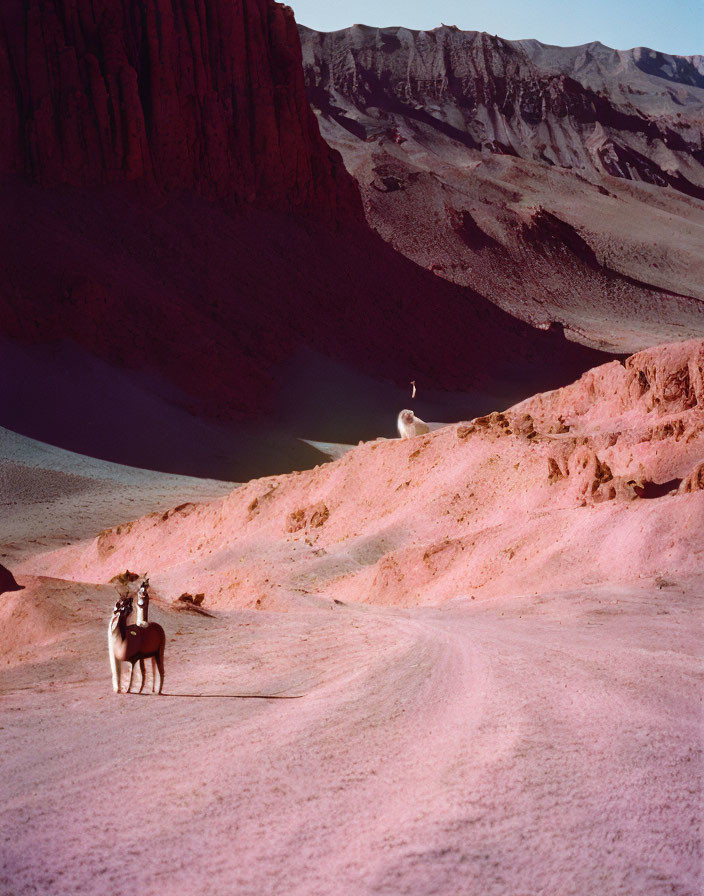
(651, 82)
(565, 184)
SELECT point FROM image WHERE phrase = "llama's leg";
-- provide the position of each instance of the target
(129, 686)
(115, 669)
(153, 674)
(141, 669)
(160, 664)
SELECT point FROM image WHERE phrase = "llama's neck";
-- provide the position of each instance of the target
(118, 628)
(143, 614)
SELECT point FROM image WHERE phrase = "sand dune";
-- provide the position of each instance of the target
(51, 497)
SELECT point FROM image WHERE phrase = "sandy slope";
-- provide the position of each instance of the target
(504, 746)
(50, 497)
(575, 486)
(534, 728)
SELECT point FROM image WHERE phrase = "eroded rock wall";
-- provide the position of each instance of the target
(184, 95)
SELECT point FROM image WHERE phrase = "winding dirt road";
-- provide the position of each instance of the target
(550, 745)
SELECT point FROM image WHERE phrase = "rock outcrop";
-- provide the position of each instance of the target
(694, 481)
(7, 581)
(665, 382)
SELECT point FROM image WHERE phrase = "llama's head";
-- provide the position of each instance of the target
(121, 610)
(143, 593)
(123, 607)
(407, 416)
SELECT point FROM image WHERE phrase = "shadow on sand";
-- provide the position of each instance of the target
(231, 696)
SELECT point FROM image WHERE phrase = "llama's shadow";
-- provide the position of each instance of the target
(226, 696)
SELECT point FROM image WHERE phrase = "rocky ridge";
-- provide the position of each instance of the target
(517, 98)
(598, 483)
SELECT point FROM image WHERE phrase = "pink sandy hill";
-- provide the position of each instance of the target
(597, 482)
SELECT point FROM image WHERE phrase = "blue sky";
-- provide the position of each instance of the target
(674, 27)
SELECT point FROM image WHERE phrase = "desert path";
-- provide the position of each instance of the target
(521, 746)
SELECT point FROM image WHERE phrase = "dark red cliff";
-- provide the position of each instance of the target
(175, 232)
(204, 95)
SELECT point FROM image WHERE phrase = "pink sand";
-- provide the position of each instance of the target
(493, 642)
(516, 745)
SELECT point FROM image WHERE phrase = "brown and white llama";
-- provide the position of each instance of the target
(134, 644)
